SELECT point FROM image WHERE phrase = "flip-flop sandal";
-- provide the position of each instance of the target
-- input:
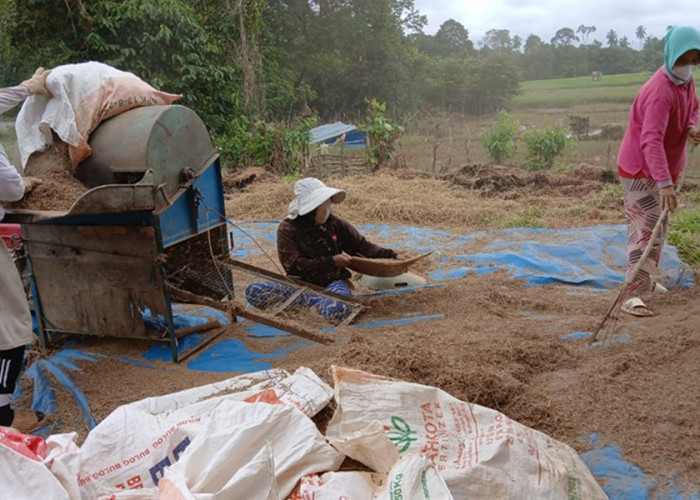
(636, 307)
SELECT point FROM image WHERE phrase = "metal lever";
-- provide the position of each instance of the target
(161, 189)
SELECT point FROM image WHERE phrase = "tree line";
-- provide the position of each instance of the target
(243, 64)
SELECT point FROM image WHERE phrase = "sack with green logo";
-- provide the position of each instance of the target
(479, 452)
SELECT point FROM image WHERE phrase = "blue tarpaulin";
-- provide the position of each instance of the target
(592, 257)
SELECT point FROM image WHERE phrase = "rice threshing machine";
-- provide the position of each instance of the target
(153, 219)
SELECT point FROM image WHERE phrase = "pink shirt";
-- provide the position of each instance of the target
(654, 143)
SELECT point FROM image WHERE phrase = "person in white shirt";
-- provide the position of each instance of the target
(15, 318)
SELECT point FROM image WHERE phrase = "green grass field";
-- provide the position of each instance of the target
(574, 92)
(585, 82)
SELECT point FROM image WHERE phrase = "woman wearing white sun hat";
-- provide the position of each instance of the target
(315, 246)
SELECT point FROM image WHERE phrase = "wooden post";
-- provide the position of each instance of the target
(368, 145)
(342, 156)
(320, 158)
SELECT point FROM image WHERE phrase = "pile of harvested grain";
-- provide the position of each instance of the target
(55, 158)
(57, 191)
(59, 188)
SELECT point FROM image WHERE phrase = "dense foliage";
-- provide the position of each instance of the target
(242, 63)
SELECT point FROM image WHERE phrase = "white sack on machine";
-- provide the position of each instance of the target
(84, 94)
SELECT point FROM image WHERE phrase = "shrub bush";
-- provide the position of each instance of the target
(281, 148)
(544, 145)
(499, 140)
(578, 125)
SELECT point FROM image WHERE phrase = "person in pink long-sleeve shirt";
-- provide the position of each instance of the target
(664, 116)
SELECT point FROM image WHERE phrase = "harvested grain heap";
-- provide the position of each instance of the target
(59, 188)
(58, 191)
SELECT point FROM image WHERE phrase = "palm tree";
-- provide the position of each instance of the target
(585, 31)
(612, 38)
(640, 33)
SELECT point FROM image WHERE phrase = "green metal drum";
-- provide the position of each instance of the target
(167, 146)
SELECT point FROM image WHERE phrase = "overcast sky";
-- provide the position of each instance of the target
(544, 17)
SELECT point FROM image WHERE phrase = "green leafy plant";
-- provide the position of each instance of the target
(381, 134)
(488, 217)
(684, 234)
(544, 145)
(295, 146)
(499, 140)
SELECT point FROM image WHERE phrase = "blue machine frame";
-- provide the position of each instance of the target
(119, 249)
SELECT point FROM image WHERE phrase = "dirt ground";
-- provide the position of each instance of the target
(498, 343)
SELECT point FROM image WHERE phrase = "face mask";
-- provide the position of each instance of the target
(323, 212)
(685, 73)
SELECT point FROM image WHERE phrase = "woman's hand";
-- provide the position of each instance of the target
(694, 135)
(341, 260)
(30, 183)
(669, 201)
(37, 83)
